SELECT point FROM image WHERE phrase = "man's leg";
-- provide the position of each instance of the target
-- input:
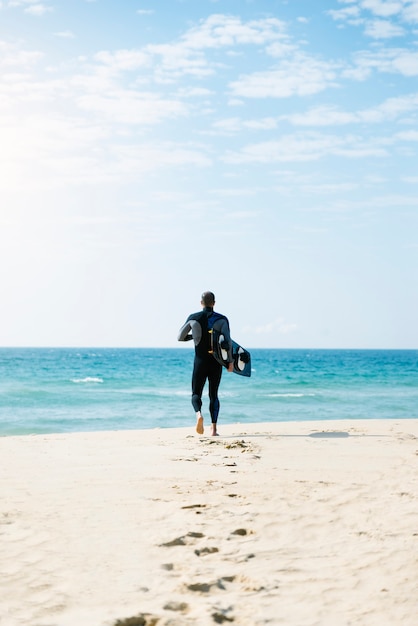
(198, 382)
(215, 375)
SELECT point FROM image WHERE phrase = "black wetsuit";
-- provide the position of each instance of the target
(205, 367)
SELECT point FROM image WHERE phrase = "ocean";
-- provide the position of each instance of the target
(56, 390)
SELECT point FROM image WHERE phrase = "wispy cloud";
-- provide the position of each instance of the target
(387, 60)
(233, 125)
(392, 109)
(389, 110)
(219, 31)
(32, 7)
(123, 60)
(306, 147)
(131, 108)
(301, 75)
(382, 29)
(187, 55)
(379, 18)
(38, 9)
(13, 55)
(91, 155)
(65, 34)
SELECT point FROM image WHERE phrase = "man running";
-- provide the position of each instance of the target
(197, 327)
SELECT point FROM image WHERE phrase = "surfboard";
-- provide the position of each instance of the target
(242, 358)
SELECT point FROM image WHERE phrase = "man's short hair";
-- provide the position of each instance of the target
(208, 298)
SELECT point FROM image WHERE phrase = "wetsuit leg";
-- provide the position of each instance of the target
(214, 376)
(199, 377)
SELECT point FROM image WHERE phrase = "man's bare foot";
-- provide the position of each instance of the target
(214, 431)
(199, 423)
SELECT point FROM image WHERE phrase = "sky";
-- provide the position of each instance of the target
(265, 150)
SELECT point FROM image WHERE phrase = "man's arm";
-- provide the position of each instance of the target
(184, 332)
(190, 330)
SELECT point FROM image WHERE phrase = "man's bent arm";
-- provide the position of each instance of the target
(184, 332)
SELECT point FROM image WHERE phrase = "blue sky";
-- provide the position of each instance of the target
(265, 150)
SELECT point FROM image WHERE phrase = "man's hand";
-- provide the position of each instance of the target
(230, 367)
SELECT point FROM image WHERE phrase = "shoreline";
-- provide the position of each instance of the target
(296, 523)
(225, 428)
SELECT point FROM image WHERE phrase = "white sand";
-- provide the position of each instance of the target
(268, 525)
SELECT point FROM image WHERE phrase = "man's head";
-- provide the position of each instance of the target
(208, 299)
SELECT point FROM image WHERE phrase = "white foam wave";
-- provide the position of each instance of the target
(88, 379)
(291, 395)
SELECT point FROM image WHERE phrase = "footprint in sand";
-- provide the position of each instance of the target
(179, 541)
(143, 619)
(168, 566)
(194, 506)
(221, 618)
(239, 531)
(183, 540)
(204, 551)
(207, 587)
(181, 607)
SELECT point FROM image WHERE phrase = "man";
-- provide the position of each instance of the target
(205, 366)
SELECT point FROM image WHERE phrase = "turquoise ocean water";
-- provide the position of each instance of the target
(67, 390)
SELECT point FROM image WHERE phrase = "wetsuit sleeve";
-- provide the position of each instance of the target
(185, 332)
(192, 329)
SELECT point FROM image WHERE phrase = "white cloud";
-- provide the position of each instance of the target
(226, 31)
(12, 56)
(408, 135)
(321, 116)
(47, 149)
(300, 76)
(330, 188)
(145, 11)
(48, 152)
(410, 13)
(281, 49)
(389, 110)
(228, 125)
(264, 123)
(383, 8)
(176, 61)
(186, 56)
(38, 9)
(349, 14)
(388, 60)
(359, 11)
(130, 107)
(142, 158)
(236, 124)
(194, 92)
(382, 29)
(305, 147)
(65, 34)
(404, 62)
(33, 7)
(123, 60)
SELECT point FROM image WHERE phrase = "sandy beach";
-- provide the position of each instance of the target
(301, 524)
